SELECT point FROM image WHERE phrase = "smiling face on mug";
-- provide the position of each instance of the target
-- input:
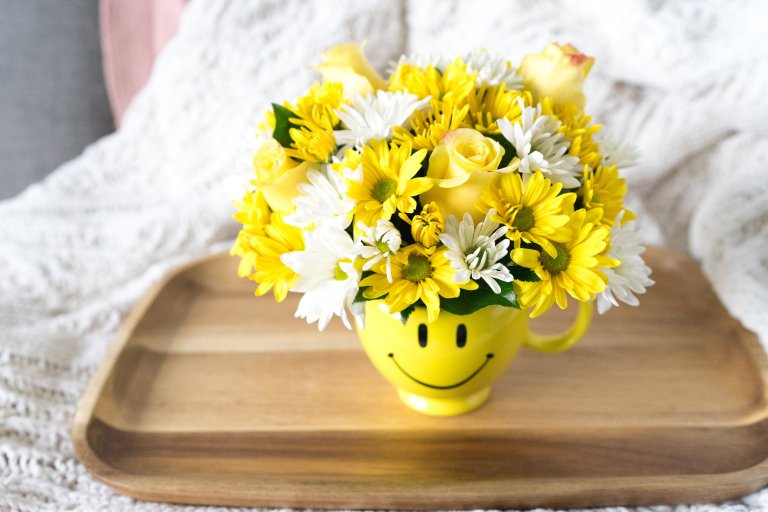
(453, 356)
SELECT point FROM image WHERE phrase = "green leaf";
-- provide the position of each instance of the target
(359, 297)
(404, 228)
(579, 204)
(574, 190)
(424, 166)
(470, 301)
(509, 149)
(362, 298)
(524, 274)
(283, 125)
(406, 313)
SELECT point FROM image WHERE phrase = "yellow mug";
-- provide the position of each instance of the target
(447, 367)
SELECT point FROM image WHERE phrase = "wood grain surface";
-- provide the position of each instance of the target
(212, 396)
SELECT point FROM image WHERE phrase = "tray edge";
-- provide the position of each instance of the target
(86, 406)
(741, 482)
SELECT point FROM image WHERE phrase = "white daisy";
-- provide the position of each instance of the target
(492, 69)
(474, 251)
(631, 276)
(622, 154)
(327, 277)
(377, 243)
(373, 117)
(540, 147)
(324, 200)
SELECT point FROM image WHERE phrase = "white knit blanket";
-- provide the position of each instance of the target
(686, 81)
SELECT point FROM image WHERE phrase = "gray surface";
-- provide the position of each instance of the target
(53, 101)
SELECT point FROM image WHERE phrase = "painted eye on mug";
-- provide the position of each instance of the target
(422, 335)
(461, 335)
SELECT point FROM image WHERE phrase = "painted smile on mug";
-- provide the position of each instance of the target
(461, 341)
(488, 357)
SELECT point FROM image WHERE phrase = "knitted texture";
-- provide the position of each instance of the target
(684, 80)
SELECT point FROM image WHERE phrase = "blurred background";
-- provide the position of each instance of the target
(69, 70)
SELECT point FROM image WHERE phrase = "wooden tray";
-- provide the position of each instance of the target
(213, 396)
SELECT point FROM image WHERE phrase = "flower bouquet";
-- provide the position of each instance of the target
(458, 186)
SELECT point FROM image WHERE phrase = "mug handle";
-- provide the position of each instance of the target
(565, 340)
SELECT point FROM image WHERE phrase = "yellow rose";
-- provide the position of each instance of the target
(278, 176)
(557, 72)
(346, 64)
(462, 166)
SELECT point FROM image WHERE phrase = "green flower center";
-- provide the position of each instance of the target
(417, 269)
(558, 263)
(524, 219)
(384, 189)
(382, 246)
(339, 274)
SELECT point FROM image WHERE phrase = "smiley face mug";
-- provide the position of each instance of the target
(447, 367)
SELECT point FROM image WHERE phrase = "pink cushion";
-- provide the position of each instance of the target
(132, 34)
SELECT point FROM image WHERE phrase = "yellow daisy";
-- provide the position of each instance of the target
(417, 274)
(458, 82)
(451, 87)
(253, 214)
(605, 189)
(312, 142)
(319, 103)
(428, 127)
(278, 238)
(572, 271)
(487, 104)
(427, 226)
(312, 136)
(534, 211)
(245, 248)
(253, 211)
(577, 128)
(415, 80)
(388, 183)
(351, 159)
